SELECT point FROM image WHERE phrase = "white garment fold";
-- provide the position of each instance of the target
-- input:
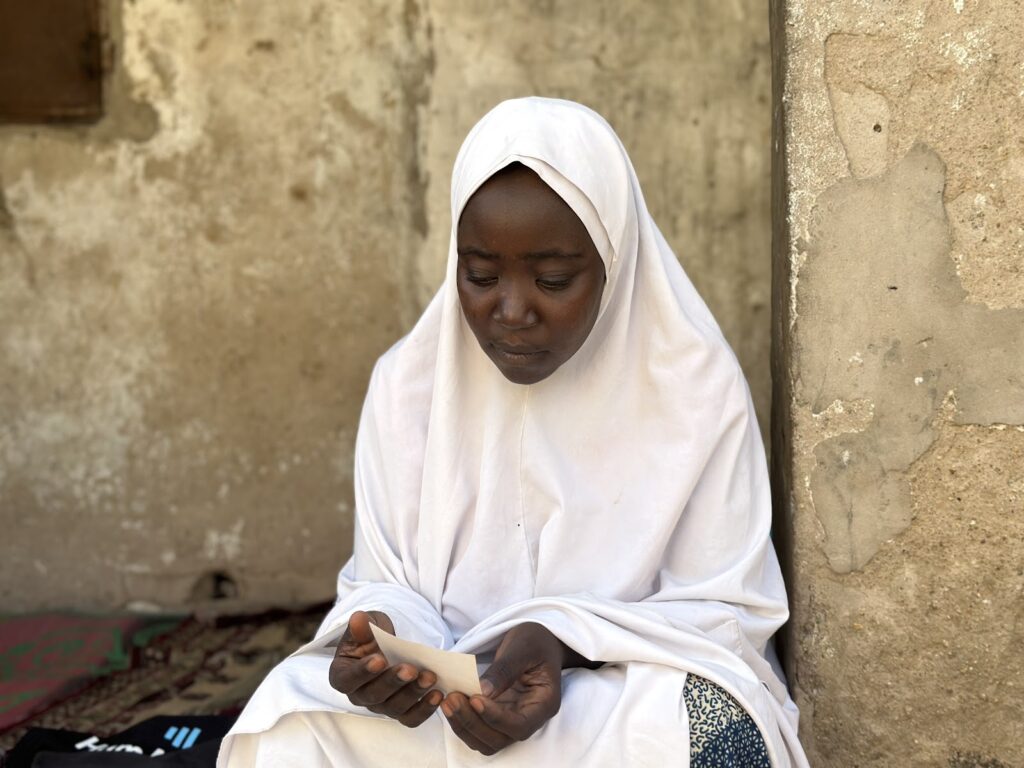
(622, 502)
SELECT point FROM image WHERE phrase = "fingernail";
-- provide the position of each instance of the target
(477, 704)
(446, 708)
(486, 687)
(405, 674)
(426, 680)
(376, 664)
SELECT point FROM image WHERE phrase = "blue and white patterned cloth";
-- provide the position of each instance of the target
(722, 734)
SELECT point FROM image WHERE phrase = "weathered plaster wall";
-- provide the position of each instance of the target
(900, 295)
(193, 291)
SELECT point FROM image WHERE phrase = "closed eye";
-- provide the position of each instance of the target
(481, 280)
(555, 284)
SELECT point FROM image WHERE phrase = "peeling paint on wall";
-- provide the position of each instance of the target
(225, 544)
(903, 377)
(916, 338)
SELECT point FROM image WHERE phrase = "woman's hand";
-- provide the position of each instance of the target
(361, 672)
(522, 691)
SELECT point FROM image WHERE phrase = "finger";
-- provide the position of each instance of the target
(359, 625)
(499, 718)
(349, 674)
(406, 697)
(467, 738)
(383, 621)
(354, 642)
(508, 664)
(523, 648)
(385, 685)
(419, 712)
(470, 728)
(501, 674)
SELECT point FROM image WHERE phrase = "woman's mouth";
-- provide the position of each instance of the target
(517, 355)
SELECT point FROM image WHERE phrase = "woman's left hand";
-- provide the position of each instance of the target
(522, 691)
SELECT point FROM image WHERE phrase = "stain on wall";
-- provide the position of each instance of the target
(190, 317)
(193, 290)
(903, 377)
(902, 340)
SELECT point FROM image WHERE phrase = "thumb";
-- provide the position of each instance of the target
(497, 678)
(382, 620)
(359, 628)
(509, 663)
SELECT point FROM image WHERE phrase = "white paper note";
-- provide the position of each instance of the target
(455, 671)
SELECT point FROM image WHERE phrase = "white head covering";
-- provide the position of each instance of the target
(622, 502)
(590, 480)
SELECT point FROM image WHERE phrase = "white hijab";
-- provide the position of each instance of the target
(623, 501)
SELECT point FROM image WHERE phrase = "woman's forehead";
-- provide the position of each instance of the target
(516, 202)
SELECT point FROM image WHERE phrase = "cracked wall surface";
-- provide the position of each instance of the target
(194, 289)
(900, 371)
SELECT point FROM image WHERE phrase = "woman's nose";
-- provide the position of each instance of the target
(514, 311)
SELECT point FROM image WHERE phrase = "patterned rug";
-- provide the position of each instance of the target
(45, 658)
(103, 674)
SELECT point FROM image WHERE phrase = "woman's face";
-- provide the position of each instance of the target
(529, 276)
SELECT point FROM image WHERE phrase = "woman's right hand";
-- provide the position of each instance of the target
(360, 671)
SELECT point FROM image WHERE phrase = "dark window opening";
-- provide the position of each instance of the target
(51, 61)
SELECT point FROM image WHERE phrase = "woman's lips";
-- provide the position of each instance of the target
(517, 355)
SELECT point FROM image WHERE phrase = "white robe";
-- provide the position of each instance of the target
(622, 502)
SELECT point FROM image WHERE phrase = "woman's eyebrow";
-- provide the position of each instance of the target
(550, 253)
(553, 253)
(479, 252)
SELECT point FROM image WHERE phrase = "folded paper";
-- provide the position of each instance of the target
(455, 671)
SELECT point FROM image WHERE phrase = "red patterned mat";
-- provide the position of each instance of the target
(104, 674)
(45, 658)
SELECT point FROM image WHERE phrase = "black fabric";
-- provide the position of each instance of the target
(190, 741)
(199, 756)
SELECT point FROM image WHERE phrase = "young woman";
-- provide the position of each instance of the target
(558, 469)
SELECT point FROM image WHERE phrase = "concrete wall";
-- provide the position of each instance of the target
(900, 376)
(193, 290)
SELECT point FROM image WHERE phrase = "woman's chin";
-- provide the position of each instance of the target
(524, 374)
